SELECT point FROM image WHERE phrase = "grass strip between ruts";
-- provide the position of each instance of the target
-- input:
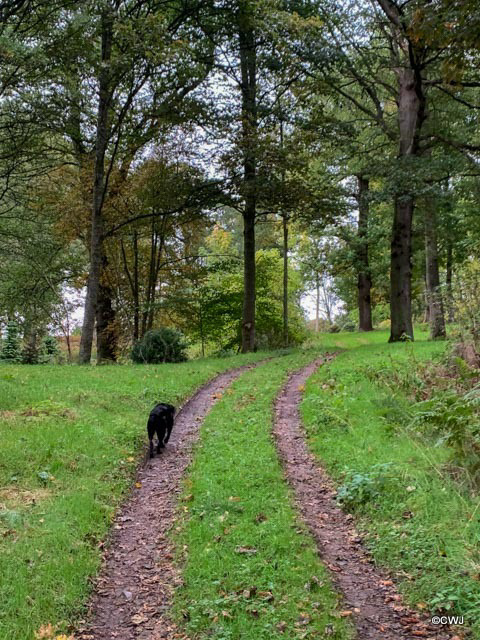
(251, 569)
(70, 443)
(416, 520)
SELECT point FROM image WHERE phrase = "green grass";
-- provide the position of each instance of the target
(236, 498)
(71, 438)
(417, 520)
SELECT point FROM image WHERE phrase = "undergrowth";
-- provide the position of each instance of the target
(397, 428)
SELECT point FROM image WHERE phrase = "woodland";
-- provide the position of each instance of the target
(265, 213)
(204, 166)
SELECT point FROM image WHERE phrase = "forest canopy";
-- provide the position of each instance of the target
(208, 166)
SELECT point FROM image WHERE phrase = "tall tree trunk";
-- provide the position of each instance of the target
(401, 270)
(426, 317)
(435, 301)
(448, 280)
(285, 279)
(248, 65)
(364, 283)
(317, 305)
(96, 240)
(151, 279)
(411, 113)
(107, 337)
(411, 104)
(136, 292)
(133, 281)
(158, 264)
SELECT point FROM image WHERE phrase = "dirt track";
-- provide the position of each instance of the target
(133, 592)
(377, 608)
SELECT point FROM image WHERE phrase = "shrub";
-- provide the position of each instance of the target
(160, 345)
(11, 349)
(360, 488)
(49, 350)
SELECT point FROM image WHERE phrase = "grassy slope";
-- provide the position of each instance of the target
(236, 497)
(420, 524)
(84, 437)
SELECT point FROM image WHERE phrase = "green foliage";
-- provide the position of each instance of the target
(11, 348)
(30, 353)
(423, 522)
(160, 345)
(212, 308)
(362, 487)
(49, 349)
(454, 419)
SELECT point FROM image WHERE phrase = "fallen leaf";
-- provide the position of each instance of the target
(45, 632)
(138, 485)
(246, 550)
(303, 620)
(226, 614)
(386, 583)
(281, 626)
(234, 499)
(345, 614)
(139, 618)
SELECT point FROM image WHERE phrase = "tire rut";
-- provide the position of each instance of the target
(377, 608)
(134, 590)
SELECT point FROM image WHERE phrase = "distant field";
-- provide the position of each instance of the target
(70, 442)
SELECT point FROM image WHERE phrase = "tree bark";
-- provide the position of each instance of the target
(411, 103)
(285, 279)
(364, 283)
(96, 240)
(401, 270)
(248, 65)
(448, 281)
(317, 305)
(107, 336)
(411, 114)
(434, 295)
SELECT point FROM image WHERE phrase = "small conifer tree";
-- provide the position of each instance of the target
(49, 349)
(11, 350)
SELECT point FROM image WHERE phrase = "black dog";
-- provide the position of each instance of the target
(160, 421)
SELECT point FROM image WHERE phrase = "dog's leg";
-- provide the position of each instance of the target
(161, 435)
(151, 433)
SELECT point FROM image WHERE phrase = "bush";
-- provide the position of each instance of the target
(160, 345)
(49, 350)
(361, 488)
(11, 349)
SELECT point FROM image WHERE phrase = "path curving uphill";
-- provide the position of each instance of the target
(377, 608)
(134, 590)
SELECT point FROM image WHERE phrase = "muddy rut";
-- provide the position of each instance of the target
(377, 609)
(134, 590)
